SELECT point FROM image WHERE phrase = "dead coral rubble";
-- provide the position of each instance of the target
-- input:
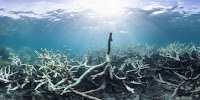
(140, 71)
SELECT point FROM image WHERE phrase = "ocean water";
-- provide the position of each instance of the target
(26, 26)
(161, 24)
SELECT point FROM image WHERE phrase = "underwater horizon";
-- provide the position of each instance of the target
(151, 40)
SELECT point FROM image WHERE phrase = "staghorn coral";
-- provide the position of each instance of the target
(54, 70)
(107, 75)
(140, 71)
(175, 50)
(26, 55)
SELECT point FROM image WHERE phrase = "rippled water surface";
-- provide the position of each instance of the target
(82, 24)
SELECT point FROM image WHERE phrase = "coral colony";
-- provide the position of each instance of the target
(137, 72)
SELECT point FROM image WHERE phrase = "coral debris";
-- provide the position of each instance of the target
(140, 71)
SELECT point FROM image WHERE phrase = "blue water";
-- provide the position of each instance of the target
(78, 31)
(28, 25)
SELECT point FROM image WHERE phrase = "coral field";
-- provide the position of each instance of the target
(134, 72)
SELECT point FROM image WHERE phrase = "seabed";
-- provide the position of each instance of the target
(134, 72)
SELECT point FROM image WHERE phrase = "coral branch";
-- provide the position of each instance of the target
(109, 41)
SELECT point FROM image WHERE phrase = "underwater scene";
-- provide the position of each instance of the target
(99, 50)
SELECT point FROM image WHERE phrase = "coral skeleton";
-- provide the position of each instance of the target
(129, 70)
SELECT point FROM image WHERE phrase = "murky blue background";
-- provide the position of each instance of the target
(166, 22)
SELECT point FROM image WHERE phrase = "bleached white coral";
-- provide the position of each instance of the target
(174, 50)
(15, 59)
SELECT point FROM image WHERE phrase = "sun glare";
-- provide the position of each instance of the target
(106, 7)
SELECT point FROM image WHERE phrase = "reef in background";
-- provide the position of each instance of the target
(139, 72)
